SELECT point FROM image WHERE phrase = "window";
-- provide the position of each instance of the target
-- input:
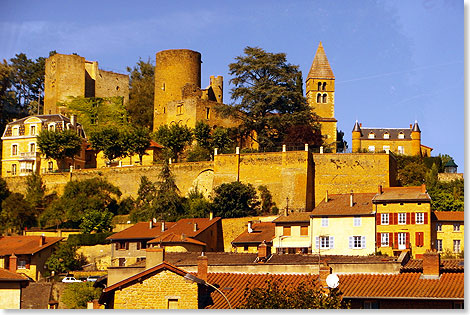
(324, 242)
(386, 135)
(324, 221)
(439, 227)
(401, 240)
(324, 86)
(304, 230)
(456, 227)
(402, 218)
(179, 109)
(459, 305)
(371, 148)
(371, 135)
(21, 264)
(439, 245)
(318, 98)
(384, 219)
(357, 221)
(357, 242)
(456, 246)
(208, 110)
(14, 149)
(51, 127)
(32, 147)
(13, 169)
(172, 304)
(401, 135)
(50, 166)
(33, 130)
(384, 239)
(386, 148)
(122, 245)
(371, 304)
(286, 230)
(319, 86)
(401, 150)
(419, 217)
(325, 96)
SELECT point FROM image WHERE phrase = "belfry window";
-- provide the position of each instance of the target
(318, 98)
(325, 98)
(319, 86)
(324, 86)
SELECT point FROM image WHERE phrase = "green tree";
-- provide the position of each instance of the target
(17, 213)
(7, 96)
(95, 220)
(111, 141)
(143, 204)
(141, 94)
(138, 140)
(4, 192)
(268, 97)
(59, 145)
(221, 140)
(36, 193)
(267, 203)
(202, 135)
(63, 259)
(412, 174)
(76, 295)
(306, 295)
(235, 200)
(197, 206)
(174, 137)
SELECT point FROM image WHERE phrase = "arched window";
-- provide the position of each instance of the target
(371, 136)
(319, 86)
(386, 135)
(324, 86)
(325, 98)
(401, 135)
(318, 98)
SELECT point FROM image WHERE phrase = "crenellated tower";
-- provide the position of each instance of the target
(320, 88)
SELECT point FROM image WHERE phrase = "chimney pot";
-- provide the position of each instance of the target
(250, 227)
(150, 224)
(42, 240)
(163, 226)
(195, 227)
(13, 263)
(360, 124)
(202, 266)
(154, 256)
(411, 126)
(264, 251)
(431, 263)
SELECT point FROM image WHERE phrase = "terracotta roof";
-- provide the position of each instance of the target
(313, 259)
(402, 194)
(263, 231)
(184, 228)
(339, 205)
(24, 244)
(320, 68)
(404, 285)
(141, 230)
(294, 217)
(171, 237)
(154, 144)
(233, 285)
(449, 215)
(7, 275)
(36, 296)
(447, 265)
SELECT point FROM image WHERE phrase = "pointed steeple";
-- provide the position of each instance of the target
(320, 68)
(416, 127)
(357, 127)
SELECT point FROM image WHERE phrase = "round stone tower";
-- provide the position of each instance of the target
(174, 69)
(356, 138)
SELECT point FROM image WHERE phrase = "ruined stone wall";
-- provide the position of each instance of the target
(109, 84)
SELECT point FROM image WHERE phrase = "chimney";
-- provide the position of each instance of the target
(351, 199)
(264, 251)
(163, 226)
(326, 197)
(360, 124)
(42, 240)
(73, 120)
(195, 227)
(211, 215)
(150, 224)
(423, 188)
(324, 272)
(250, 227)
(431, 263)
(411, 126)
(13, 263)
(202, 265)
(154, 256)
(380, 191)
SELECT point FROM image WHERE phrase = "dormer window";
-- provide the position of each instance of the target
(371, 135)
(51, 127)
(386, 135)
(15, 131)
(33, 130)
(401, 135)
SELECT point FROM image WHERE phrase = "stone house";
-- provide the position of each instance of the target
(11, 286)
(253, 236)
(292, 233)
(448, 231)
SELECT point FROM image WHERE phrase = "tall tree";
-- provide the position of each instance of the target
(138, 140)
(267, 95)
(16, 213)
(36, 193)
(235, 200)
(174, 137)
(141, 94)
(59, 145)
(111, 142)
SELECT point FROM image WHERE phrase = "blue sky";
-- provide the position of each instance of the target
(395, 61)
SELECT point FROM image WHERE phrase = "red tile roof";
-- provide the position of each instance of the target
(447, 265)
(6, 275)
(154, 144)
(141, 230)
(449, 215)
(184, 228)
(294, 217)
(405, 285)
(263, 231)
(402, 194)
(20, 245)
(339, 205)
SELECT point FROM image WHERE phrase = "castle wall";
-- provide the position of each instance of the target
(110, 84)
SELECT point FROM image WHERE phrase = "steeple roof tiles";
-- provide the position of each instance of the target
(320, 68)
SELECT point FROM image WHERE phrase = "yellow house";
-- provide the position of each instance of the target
(344, 224)
(448, 231)
(292, 233)
(398, 140)
(152, 154)
(20, 152)
(11, 285)
(403, 220)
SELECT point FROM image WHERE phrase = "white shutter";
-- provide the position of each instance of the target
(317, 242)
(363, 242)
(332, 241)
(351, 242)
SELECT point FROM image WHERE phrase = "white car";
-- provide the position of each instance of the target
(70, 279)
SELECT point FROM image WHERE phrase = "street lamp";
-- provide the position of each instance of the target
(193, 278)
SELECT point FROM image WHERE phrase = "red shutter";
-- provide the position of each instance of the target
(408, 218)
(395, 218)
(417, 239)
(377, 218)
(421, 238)
(413, 217)
(395, 240)
(378, 240)
(407, 240)
(390, 239)
(425, 218)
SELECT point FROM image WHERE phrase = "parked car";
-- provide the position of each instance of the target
(92, 278)
(70, 279)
